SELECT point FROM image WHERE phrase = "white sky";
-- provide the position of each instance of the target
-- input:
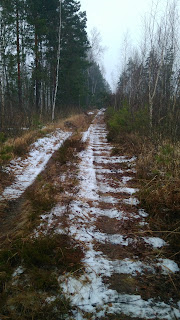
(113, 18)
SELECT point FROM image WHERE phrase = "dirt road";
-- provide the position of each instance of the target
(124, 276)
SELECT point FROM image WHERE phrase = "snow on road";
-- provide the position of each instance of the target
(97, 199)
(26, 171)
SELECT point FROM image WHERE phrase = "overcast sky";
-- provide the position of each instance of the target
(113, 18)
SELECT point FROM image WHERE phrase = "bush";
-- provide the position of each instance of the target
(123, 121)
(120, 120)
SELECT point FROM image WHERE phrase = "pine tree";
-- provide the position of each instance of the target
(73, 55)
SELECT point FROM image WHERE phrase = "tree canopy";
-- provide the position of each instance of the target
(32, 34)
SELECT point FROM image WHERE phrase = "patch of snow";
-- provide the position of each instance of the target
(126, 179)
(128, 266)
(111, 213)
(56, 211)
(143, 223)
(103, 148)
(50, 299)
(18, 271)
(108, 199)
(131, 201)
(49, 220)
(108, 171)
(89, 294)
(88, 176)
(27, 170)
(168, 266)
(86, 134)
(104, 188)
(78, 206)
(113, 239)
(112, 160)
(155, 241)
(142, 213)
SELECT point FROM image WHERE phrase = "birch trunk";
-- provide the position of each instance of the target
(2, 102)
(58, 60)
(18, 57)
(36, 70)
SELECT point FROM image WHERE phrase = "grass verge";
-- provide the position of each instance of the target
(157, 177)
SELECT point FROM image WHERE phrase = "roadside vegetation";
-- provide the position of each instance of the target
(145, 120)
(157, 173)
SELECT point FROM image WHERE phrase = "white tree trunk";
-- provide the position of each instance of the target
(1, 67)
(58, 59)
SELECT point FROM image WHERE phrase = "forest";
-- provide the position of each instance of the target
(47, 63)
(148, 89)
(89, 177)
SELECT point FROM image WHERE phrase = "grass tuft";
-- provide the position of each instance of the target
(42, 260)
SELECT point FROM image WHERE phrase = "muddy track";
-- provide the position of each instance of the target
(124, 276)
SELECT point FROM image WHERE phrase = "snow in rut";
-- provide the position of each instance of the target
(99, 196)
(26, 171)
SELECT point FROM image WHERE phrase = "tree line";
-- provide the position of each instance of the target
(149, 82)
(45, 64)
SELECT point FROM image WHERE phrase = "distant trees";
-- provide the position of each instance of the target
(44, 60)
(150, 78)
(98, 88)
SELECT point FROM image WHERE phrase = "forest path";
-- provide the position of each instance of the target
(124, 278)
(125, 275)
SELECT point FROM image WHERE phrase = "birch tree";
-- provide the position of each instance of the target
(18, 55)
(2, 86)
(161, 35)
(58, 59)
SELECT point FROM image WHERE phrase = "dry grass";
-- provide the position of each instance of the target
(42, 260)
(158, 177)
(158, 180)
(129, 144)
